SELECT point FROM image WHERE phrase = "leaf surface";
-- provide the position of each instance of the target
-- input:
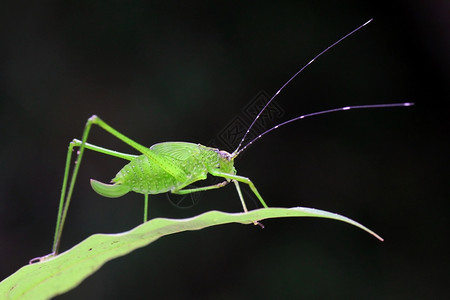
(64, 272)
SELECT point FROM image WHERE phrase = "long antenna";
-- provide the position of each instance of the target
(237, 151)
(321, 113)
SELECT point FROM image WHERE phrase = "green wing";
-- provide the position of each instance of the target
(165, 155)
(176, 150)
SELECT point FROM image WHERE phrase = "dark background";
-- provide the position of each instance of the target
(180, 72)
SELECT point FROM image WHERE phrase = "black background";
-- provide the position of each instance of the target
(180, 72)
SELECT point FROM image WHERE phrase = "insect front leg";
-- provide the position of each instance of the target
(238, 189)
(243, 180)
(236, 179)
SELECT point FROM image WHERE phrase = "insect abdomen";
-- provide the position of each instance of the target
(144, 177)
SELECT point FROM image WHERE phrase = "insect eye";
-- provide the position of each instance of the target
(225, 154)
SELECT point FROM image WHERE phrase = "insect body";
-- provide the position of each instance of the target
(171, 166)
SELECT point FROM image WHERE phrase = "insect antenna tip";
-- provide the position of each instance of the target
(368, 22)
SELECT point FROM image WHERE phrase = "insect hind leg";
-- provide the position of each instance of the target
(68, 186)
(78, 143)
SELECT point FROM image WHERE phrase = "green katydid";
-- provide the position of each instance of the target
(171, 166)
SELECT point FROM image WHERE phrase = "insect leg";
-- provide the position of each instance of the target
(66, 194)
(240, 179)
(62, 204)
(99, 149)
(186, 191)
(219, 185)
(200, 189)
(145, 207)
(238, 189)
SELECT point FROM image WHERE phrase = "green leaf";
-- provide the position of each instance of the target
(64, 272)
